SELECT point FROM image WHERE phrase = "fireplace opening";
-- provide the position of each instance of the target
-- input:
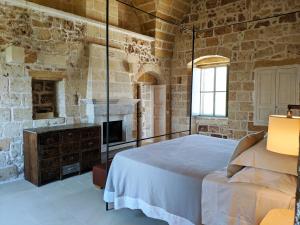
(115, 131)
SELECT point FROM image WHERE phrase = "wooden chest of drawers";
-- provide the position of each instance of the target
(54, 153)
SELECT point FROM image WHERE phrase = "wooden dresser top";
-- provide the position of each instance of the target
(42, 130)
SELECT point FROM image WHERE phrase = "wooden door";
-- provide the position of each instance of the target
(145, 117)
(159, 107)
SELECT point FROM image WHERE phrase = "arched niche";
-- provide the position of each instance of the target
(147, 78)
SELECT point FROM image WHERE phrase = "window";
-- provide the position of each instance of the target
(210, 91)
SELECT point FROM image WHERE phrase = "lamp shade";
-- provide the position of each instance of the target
(283, 135)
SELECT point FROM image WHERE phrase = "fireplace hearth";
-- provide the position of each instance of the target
(115, 131)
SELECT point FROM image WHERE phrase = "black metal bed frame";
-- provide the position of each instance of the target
(193, 31)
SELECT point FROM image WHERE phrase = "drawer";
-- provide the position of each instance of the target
(69, 159)
(89, 133)
(69, 148)
(49, 152)
(49, 139)
(70, 136)
(50, 175)
(71, 168)
(91, 155)
(49, 163)
(90, 144)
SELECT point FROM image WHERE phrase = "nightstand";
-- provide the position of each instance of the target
(279, 217)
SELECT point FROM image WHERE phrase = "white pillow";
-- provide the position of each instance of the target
(245, 143)
(277, 181)
(259, 157)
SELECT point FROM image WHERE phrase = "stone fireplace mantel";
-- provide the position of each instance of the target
(116, 106)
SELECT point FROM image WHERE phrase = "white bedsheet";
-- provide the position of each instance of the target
(226, 203)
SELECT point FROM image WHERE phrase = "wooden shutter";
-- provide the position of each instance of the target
(287, 88)
(275, 88)
(265, 99)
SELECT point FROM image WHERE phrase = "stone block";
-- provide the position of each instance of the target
(56, 60)
(251, 35)
(4, 84)
(267, 52)
(30, 57)
(248, 45)
(214, 129)
(202, 128)
(222, 30)
(3, 159)
(212, 41)
(8, 172)
(289, 18)
(5, 144)
(243, 96)
(248, 86)
(225, 2)
(42, 34)
(229, 38)
(12, 130)
(20, 85)
(246, 107)
(5, 115)
(260, 24)
(211, 4)
(14, 55)
(16, 150)
(12, 100)
(20, 114)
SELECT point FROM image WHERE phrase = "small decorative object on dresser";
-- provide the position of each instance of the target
(279, 217)
(54, 153)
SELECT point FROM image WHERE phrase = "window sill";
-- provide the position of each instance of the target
(210, 120)
(49, 122)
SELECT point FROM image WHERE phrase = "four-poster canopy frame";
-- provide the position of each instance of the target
(193, 31)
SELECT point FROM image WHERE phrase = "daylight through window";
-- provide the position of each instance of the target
(210, 91)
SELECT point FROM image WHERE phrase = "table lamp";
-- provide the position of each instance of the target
(283, 138)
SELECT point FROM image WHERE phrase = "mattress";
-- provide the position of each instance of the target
(226, 203)
(164, 180)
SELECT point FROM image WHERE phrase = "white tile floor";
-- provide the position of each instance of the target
(73, 201)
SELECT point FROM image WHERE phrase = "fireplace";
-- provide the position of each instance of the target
(120, 110)
(115, 131)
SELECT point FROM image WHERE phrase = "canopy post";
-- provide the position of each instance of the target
(107, 91)
(191, 88)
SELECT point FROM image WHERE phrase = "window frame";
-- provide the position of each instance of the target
(214, 66)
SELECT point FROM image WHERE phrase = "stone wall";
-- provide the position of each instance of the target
(59, 48)
(251, 45)
(49, 45)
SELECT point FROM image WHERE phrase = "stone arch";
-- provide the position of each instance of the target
(148, 71)
(148, 78)
(210, 60)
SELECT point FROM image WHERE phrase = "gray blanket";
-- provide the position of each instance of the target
(164, 180)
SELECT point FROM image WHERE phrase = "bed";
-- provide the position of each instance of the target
(224, 203)
(149, 177)
(176, 181)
